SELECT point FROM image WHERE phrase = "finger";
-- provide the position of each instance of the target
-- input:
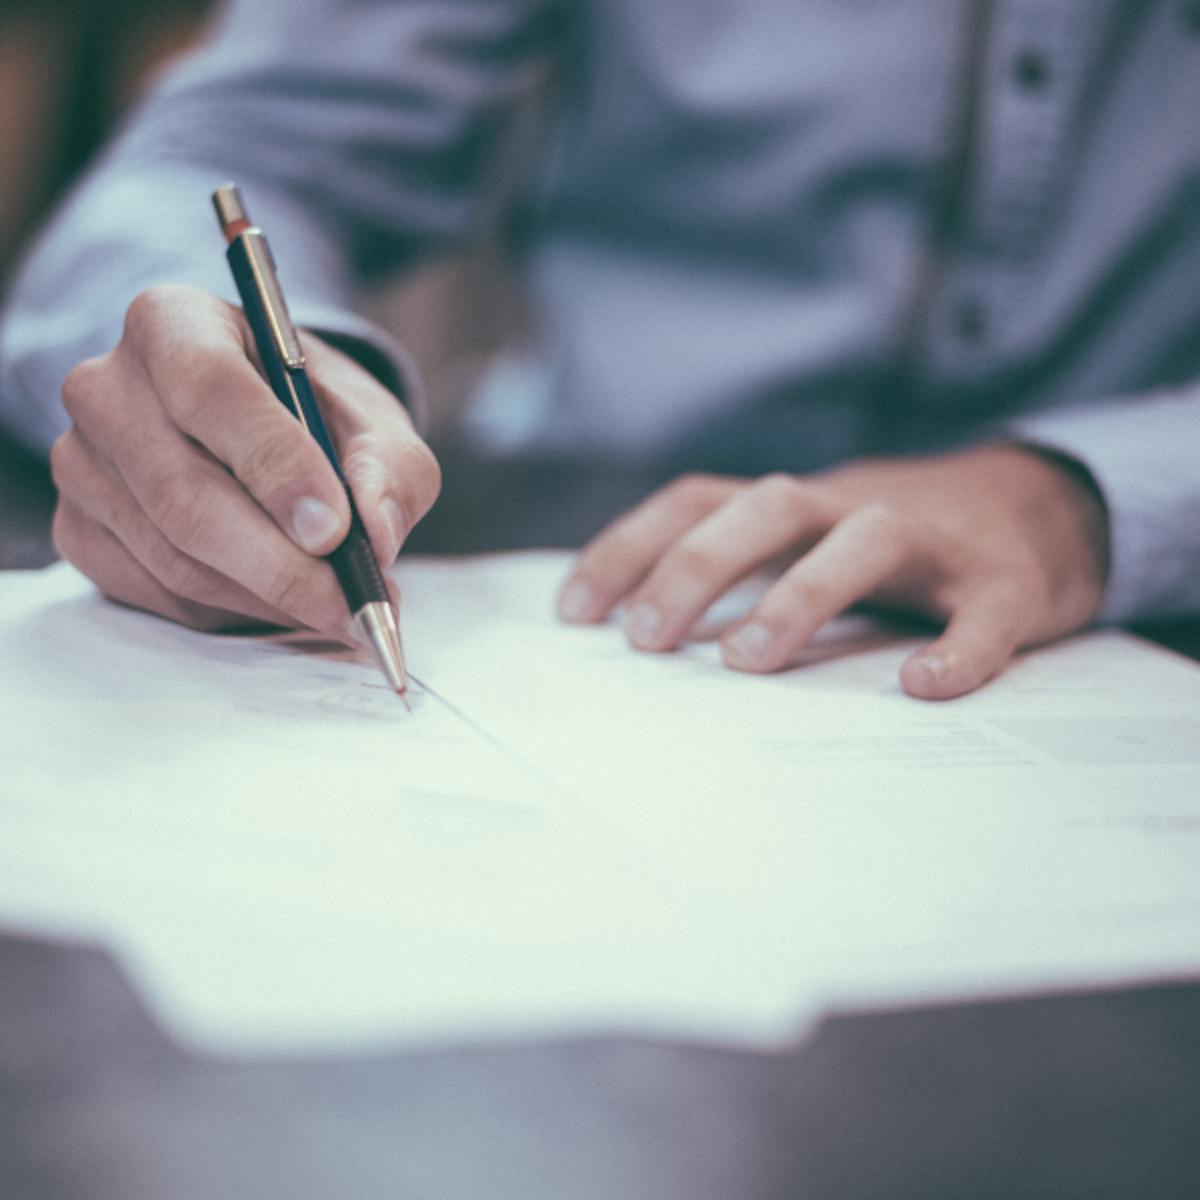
(394, 476)
(103, 558)
(857, 556)
(775, 514)
(982, 635)
(201, 510)
(621, 556)
(195, 351)
(87, 481)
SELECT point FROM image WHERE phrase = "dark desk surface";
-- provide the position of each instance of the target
(1087, 1095)
(26, 506)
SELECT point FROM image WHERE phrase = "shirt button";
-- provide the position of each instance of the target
(969, 320)
(1031, 71)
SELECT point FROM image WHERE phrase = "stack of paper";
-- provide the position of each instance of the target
(565, 835)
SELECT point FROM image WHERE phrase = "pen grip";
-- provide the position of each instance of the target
(355, 565)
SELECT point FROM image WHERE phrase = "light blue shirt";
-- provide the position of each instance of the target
(758, 234)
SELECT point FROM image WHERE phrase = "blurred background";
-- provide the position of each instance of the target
(70, 70)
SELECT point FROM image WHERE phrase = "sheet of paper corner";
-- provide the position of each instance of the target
(661, 847)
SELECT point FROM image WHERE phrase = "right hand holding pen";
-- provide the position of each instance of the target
(187, 489)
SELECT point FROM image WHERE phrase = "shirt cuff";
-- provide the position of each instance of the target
(1137, 452)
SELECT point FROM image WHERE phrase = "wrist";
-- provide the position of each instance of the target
(1066, 511)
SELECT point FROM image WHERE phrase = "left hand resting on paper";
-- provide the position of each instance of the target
(1006, 545)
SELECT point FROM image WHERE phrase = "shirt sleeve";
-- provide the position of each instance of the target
(1142, 452)
(362, 133)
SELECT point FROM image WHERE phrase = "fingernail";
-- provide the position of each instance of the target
(313, 524)
(749, 644)
(393, 518)
(350, 632)
(923, 675)
(934, 664)
(643, 623)
(576, 602)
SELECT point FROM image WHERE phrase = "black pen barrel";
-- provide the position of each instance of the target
(353, 561)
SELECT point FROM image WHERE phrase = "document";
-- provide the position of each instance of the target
(566, 836)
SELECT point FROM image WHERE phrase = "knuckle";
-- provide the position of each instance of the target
(82, 387)
(269, 462)
(808, 595)
(694, 492)
(784, 494)
(363, 462)
(778, 482)
(147, 311)
(295, 593)
(182, 575)
(613, 548)
(203, 376)
(178, 507)
(692, 481)
(179, 573)
(692, 561)
(884, 522)
(158, 308)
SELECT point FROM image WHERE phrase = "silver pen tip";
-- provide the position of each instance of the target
(377, 623)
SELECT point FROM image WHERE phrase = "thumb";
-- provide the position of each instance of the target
(982, 635)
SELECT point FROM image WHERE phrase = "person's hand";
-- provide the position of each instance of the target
(1005, 545)
(187, 489)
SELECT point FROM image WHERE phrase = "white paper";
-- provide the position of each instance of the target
(568, 836)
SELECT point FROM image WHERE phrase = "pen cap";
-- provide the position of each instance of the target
(253, 266)
(231, 210)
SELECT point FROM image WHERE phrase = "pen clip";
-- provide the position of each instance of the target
(279, 320)
(237, 227)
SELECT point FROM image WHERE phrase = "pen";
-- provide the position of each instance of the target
(279, 348)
